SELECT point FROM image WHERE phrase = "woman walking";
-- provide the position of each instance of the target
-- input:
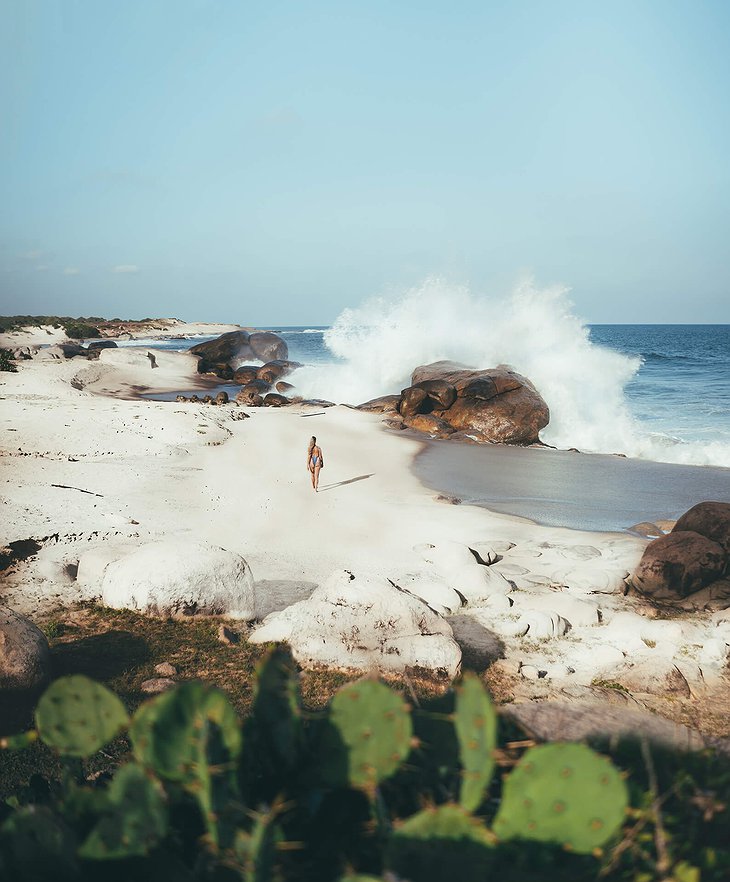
(315, 461)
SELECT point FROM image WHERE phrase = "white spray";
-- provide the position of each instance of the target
(378, 344)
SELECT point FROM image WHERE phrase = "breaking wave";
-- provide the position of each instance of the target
(376, 346)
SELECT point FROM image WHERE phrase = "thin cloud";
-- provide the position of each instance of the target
(125, 268)
(71, 271)
(31, 255)
(41, 268)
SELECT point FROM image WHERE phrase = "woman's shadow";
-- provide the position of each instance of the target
(342, 483)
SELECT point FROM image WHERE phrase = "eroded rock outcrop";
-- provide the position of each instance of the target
(363, 623)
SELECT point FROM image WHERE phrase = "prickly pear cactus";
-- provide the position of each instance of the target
(369, 735)
(77, 716)
(475, 721)
(191, 735)
(134, 818)
(441, 843)
(256, 849)
(37, 845)
(276, 705)
(563, 793)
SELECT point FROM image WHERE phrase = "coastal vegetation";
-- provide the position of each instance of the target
(280, 776)
(75, 328)
(7, 362)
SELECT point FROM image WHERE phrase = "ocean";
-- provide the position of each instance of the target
(662, 392)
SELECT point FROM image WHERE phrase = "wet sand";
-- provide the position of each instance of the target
(558, 488)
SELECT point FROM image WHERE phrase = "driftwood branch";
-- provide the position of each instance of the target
(90, 492)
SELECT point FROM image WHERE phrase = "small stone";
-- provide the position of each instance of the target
(157, 685)
(226, 635)
(165, 669)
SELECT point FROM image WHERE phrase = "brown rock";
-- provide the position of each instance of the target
(441, 395)
(709, 519)
(282, 387)
(431, 424)
(227, 635)
(412, 401)
(25, 659)
(715, 597)
(275, 370)
(679, 564)
(249, 399)
(237, 347)
(157, 685)
(222, 397)
(384, 404)
(273, 399)
(245, 374)
(165, 669)
(496, 405)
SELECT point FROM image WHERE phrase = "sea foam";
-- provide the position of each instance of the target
(534, 330)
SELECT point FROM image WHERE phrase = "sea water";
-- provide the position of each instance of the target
(656, 392)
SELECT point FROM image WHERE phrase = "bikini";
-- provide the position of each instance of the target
(315, 460)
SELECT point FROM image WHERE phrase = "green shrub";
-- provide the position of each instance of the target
(7, 362)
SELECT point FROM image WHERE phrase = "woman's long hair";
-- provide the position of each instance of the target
(312, 445)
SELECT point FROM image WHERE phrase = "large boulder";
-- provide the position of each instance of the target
(180, 577)
(496, 405)
(675, 566)
(363, 623)
(237, 347)
(25, 659)
(709, 519)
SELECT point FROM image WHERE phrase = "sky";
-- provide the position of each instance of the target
(275, 162)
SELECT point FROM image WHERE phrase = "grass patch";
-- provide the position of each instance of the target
(120, 648)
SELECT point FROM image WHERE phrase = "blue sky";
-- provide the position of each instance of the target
(273, 162)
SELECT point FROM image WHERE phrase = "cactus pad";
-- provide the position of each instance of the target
(441, 843)
(475, 721)
(191, 735)
(256, 849)
(565, 794)
(133, 821)
(369, 736)
(276, 708)
(77, 716)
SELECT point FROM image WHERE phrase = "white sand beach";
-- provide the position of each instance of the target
(86, 466)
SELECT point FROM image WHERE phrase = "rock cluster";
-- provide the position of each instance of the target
(74, 350)
(224, 355)
(692, 563)
(447, 400)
